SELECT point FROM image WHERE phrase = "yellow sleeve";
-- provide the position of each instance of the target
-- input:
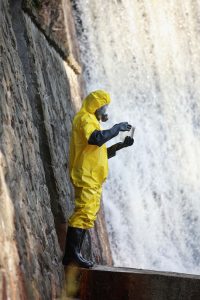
(89, 125)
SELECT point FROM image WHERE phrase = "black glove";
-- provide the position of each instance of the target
(116, 147)
(128, 141)
(99, 137)
(123, 126)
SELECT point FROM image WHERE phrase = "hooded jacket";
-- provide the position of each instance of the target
(88, 163)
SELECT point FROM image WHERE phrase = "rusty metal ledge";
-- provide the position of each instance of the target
(110, 283)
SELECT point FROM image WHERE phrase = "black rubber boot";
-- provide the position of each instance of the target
(82, 239)
(72, 248)
(81, 243)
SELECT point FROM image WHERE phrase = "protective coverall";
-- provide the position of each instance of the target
(88, 163)
(89, 169)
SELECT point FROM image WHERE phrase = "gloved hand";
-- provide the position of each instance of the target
(99, 137)
(128, 141)
(124, 126)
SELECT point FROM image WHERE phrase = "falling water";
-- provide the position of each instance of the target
(146, 54)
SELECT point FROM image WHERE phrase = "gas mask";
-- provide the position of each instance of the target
(101, 114)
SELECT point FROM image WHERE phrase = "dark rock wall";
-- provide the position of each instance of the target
(55, 20)
(39, 94)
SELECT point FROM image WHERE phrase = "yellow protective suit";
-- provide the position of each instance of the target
(88, 163)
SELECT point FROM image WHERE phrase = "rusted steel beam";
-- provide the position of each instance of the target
(102, 283)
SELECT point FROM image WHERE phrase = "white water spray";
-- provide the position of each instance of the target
(146, 54)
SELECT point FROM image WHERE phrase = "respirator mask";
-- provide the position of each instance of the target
(101, 113)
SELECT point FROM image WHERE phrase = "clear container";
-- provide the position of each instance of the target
(124, 134)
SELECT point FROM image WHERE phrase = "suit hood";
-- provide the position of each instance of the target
(95, 100)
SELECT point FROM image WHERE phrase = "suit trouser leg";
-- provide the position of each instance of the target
(87, 204)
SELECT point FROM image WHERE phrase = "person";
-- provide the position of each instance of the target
(89, 169)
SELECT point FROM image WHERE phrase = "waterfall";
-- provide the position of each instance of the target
(146, 54)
